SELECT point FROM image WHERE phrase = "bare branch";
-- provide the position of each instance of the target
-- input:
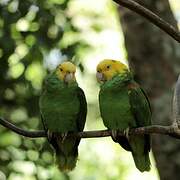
(152, 17)
(176, 104)
(26, 133)
(156, 129)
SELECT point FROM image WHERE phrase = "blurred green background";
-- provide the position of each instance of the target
(36, 35)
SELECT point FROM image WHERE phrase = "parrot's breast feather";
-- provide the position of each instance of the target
(60, 107)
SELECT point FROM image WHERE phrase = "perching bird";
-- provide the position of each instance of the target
(63, 109)
(123, 105)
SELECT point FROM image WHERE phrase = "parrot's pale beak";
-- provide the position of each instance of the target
(69, 77)
(100, 77)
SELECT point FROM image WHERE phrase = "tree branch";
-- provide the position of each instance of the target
(176, 103)
(152, 17)
(26, 133)
(154, 129)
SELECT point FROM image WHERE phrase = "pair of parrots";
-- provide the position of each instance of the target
(123, 105)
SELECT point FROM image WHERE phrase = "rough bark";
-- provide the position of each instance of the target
(155, 59)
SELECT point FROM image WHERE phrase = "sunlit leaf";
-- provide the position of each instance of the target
(22, 25)
(16, 70)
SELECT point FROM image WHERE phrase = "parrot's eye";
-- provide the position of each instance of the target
(61, 69)
(108, 66)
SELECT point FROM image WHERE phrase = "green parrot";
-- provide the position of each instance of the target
(123, 105)
(63, 109)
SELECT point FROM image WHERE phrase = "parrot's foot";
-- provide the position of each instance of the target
(49, 135)
(64, 136)
(114, 134)
(126, 133)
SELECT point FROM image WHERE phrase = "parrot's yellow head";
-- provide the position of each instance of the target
(108, 68)
(66, 72)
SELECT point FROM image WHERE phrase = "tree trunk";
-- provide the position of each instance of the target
(155, 59)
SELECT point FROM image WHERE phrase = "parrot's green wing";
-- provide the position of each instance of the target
(81, 119)
(83, 109)
(44, 84)
(41, 117)
(141, 109)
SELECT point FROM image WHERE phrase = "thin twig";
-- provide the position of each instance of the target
(152, 17)
(156, 129)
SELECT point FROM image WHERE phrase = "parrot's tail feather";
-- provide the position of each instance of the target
(123, 141)
(65, 163)
(142, 162)
(66, 152)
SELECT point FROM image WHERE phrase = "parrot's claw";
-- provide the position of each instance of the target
(64, 136)
(114, 134)
(126, 133)
(49, 135)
